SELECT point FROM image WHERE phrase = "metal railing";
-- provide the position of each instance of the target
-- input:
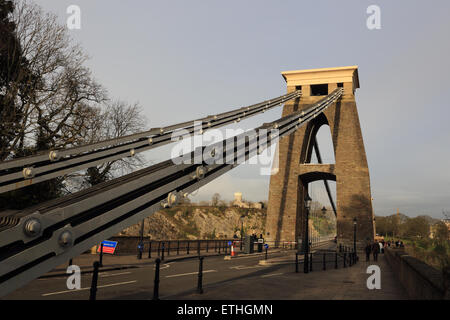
(164, 248)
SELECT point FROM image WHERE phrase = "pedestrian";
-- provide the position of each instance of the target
(375, 250)
(381, 247)
(368, 250)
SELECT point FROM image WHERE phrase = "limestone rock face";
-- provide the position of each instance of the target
(190, 222)
(158, 226)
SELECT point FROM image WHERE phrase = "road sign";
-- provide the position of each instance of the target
(108, 246)
(266, 246)
(229, 243)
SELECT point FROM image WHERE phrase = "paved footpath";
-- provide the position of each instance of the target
(282, 283)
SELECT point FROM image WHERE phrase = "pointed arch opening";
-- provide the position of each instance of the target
(324, 143)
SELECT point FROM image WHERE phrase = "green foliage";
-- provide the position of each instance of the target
(388, 226)
(403, 226)
(416, 228)
(441, 231)
(434, 252)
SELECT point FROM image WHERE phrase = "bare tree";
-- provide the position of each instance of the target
(63, 105)
(113, 120)
(61, 89)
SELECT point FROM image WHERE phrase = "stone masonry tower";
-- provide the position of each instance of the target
(289, 183)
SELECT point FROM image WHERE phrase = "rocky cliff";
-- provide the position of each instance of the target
(195, 222)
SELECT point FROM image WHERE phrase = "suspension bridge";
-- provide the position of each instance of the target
(38, 239)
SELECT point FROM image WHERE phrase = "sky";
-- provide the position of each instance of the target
(186, 59)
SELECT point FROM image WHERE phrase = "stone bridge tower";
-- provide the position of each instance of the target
(289, 183)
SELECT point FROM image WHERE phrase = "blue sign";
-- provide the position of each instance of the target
(229, 243)
(266, 246)
(108, 246)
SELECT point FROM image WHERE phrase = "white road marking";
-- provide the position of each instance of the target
(246, 257)
(113, 274)
(103, 286)
(271, 275)
(52, 278)
(245, 267)
(187, 274)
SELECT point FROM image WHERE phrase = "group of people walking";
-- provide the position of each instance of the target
(377, 247)
(374, 248)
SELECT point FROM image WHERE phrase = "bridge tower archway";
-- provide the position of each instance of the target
(289, 181)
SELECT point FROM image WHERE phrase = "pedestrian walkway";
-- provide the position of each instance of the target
(281, 282)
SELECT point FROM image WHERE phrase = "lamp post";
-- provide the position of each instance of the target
(242, 230)
(305, 236)
(354, 235)
(324, 211)
(141, 241)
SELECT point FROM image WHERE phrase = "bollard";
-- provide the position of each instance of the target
(168, 248)
(335, 260)
(219, 247)
(296, 262)
(101, 255)
(162, 252)
(156, 282)
(198, 247)
(310, 262)
(324, 262)
(207, 242)
(178, 247)
(200, 276)
(93, 293)
(345, 258)
(187, 250)
(150, 249)
(266, 255)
